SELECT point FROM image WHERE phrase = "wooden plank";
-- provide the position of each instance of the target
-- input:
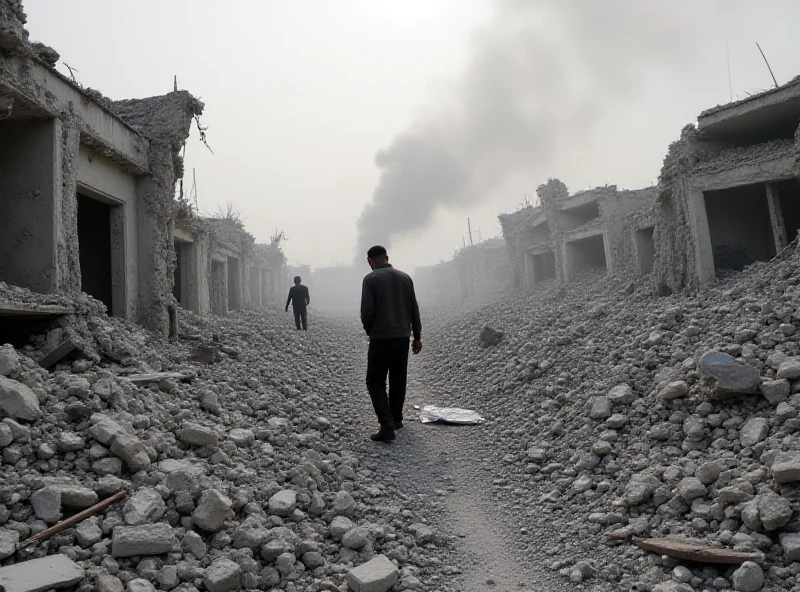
(60, 352)
(142, 379)
(699, 553)
(18, 309)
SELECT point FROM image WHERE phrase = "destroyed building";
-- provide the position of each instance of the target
(602, 228)
(86, 184)
(220, 268)
(728, 191)
(87, 198)
(474, 274)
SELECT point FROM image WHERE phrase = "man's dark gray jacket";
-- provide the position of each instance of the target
(389, 305)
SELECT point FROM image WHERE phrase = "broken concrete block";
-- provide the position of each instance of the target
(222, 576)
(148, 539)
(212, 511)
(144, 507)
(786, 467)
(46, 504)
(730, 377)
(8, 543)
(105, 430)
(107, 583)
(9, 360)
(282, 503)
(790, 368)
(18, 401)
(791, 545)
(775, 391)
(130, 449)
(197, 435)
(76, 496)
(37, 575)
(377, 575)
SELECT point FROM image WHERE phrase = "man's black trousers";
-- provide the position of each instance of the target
(388, 356)
(300, 314)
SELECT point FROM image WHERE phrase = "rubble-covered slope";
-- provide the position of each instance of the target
(605, 417)
(238, 475)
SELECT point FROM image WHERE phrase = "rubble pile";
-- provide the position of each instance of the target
(614, 416)
(235, 464)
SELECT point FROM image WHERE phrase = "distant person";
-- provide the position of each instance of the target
(299, 299)
(390, 314)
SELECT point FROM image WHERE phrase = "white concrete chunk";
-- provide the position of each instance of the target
(37, 575)
(377, 575)
(148, 539)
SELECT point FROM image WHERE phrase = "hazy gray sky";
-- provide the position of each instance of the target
(301, 95)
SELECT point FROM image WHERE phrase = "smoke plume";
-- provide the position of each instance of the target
(541, 75)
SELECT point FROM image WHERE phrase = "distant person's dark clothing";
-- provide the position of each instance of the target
(299, 298)
(390, 315)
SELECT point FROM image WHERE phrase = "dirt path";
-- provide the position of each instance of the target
(435, 468)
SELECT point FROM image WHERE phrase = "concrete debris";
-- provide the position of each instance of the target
(38, 575)
(377, 575)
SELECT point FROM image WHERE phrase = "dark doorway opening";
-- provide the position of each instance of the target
(544, 267)
(177, 288)
(580, 215)
(739, 225)
(94, 245)
(789, 196)
(234, 285)
(645, 249)
(587, 253)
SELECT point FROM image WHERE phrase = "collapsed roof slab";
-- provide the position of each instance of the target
(776, 169)
(42, 91)
(774, 113)
(587, 231)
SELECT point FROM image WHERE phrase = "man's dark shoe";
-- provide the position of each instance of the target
(398, 425)
(385, 434)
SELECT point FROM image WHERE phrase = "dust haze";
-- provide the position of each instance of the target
(540, 78)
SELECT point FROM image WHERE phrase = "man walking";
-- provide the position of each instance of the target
(299, 299)
(390, 314)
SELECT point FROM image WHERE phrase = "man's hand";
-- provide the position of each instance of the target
(416, 347)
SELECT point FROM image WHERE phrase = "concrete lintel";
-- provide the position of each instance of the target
(540, 249)
(182, 235)
(577, 200)
(100, 127)
(777, 169)
(224, 251)
(590, 230)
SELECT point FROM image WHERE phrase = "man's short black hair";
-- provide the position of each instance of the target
(375, 252)
(297, 278)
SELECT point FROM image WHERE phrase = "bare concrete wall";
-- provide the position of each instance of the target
(29, 175)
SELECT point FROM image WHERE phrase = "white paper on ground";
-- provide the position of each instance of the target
(454, 415)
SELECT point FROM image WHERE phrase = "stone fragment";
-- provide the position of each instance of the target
(212, 511)
(344, 504)
(748, 578)
(729, 376)
(377, 575)
(775, 391)
(282, 503)
(70, 442)
(708, 472)
(194, 544)
(130, 449)
(622, 394)
(9, 360)
(786, 467)
(105, 582)
(105, 430)
(197, 435)
(774, 510)
(222, 576)
(690, 488)
(355, 538)
(600, 408)
(38, 575)
(18, 401)
(46, 504)
(140, 585)
(8, 543)
(339, 526)
(87, 533)
(144, 507)
(674, 390)
(241, 437)
(76, 496)
(755, 430)
(790, 542)
(790, 368)
(148, 539)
